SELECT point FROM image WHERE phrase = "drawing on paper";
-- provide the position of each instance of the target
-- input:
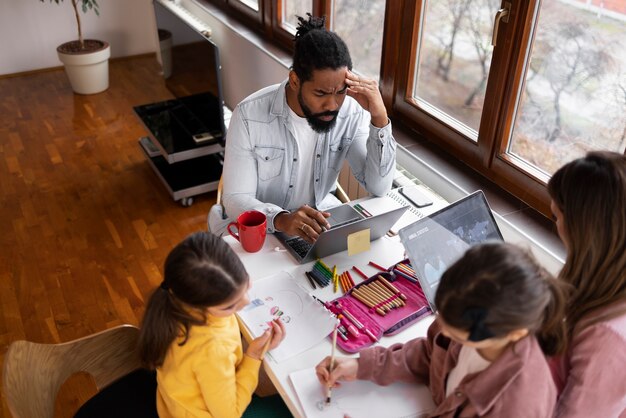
(284, 304)
(280, 297)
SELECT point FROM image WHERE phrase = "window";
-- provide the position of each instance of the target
(574, 95)
(514, 100)
(290, 10)
(253, 4)
(550, 89)
(360, 24)
(453, 61)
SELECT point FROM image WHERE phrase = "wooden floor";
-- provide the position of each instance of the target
(85, 224)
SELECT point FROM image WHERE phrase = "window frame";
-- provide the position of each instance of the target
(488, 155)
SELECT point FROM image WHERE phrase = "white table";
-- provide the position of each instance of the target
(272, 258)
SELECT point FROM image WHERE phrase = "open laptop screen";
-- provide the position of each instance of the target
(437, 241)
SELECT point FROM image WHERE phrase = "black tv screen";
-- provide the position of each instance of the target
(191, 69)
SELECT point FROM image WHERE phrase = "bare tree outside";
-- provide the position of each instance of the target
(455, 58)
(571, 102)
(360, 23)
(574, 96)
(455, 13)
(480, 21)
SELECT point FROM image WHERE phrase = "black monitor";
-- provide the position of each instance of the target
(191, 69)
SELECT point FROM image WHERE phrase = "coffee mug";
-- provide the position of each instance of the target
(251, 230)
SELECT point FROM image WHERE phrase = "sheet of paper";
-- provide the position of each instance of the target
(361, 399)
(306, 321)
(359, 242)
(394, 200)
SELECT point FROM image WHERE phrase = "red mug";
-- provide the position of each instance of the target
(251, 230)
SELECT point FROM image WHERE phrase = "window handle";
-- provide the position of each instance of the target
(501, 15)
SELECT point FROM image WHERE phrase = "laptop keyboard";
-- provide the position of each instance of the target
(299, 245)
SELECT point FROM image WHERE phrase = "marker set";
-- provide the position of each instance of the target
(384, 304)
(323, 276)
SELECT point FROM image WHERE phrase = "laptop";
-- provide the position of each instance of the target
(344, 220)
(435, 242)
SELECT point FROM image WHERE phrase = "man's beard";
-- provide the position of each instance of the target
(317, 124)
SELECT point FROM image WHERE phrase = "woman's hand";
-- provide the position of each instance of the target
(305, 222)
(271, 338)
(344, 369)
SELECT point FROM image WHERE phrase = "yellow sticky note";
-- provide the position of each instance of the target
(359, 242)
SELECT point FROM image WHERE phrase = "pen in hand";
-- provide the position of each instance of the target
(266, 346)
(332, 363)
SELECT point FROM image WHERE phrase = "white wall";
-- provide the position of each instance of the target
(31, 30)
(246, 66)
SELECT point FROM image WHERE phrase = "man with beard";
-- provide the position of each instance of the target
(287, 143)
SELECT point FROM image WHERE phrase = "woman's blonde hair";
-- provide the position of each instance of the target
(591, 194)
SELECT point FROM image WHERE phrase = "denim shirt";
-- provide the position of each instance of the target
(261, 164)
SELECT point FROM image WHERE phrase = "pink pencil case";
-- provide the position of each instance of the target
(373, 325)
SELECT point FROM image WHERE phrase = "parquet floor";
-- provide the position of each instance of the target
(84, 222)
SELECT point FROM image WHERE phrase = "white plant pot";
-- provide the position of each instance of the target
(88, 72)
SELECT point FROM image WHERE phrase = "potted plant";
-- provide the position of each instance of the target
(86, 60)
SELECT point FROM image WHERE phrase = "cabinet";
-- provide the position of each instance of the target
(184, 145)
(185, 167)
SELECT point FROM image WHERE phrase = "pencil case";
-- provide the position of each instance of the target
(395, 302)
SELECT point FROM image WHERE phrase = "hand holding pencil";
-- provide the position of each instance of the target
(345, 369)
(270, 339)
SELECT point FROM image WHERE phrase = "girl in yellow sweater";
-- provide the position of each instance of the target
(191, 337)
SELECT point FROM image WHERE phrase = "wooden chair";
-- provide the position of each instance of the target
(33, 373)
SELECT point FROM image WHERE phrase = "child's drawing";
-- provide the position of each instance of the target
(280, 297)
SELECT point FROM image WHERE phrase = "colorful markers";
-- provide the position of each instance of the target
(362, 211)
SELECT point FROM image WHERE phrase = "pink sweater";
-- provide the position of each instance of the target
(591, 377)
(517, 384)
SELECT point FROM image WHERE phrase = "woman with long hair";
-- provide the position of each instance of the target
(589, 206)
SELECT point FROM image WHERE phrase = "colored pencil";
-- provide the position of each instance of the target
(363, 211)
(371, 263)
(350, 278)
(319, 260)
(406, 267)
(319, 278)
(358, 324)
(266, 346)
(405, 275)
(360, 272)
(322, 270)
(308, 276)
(391, 287)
